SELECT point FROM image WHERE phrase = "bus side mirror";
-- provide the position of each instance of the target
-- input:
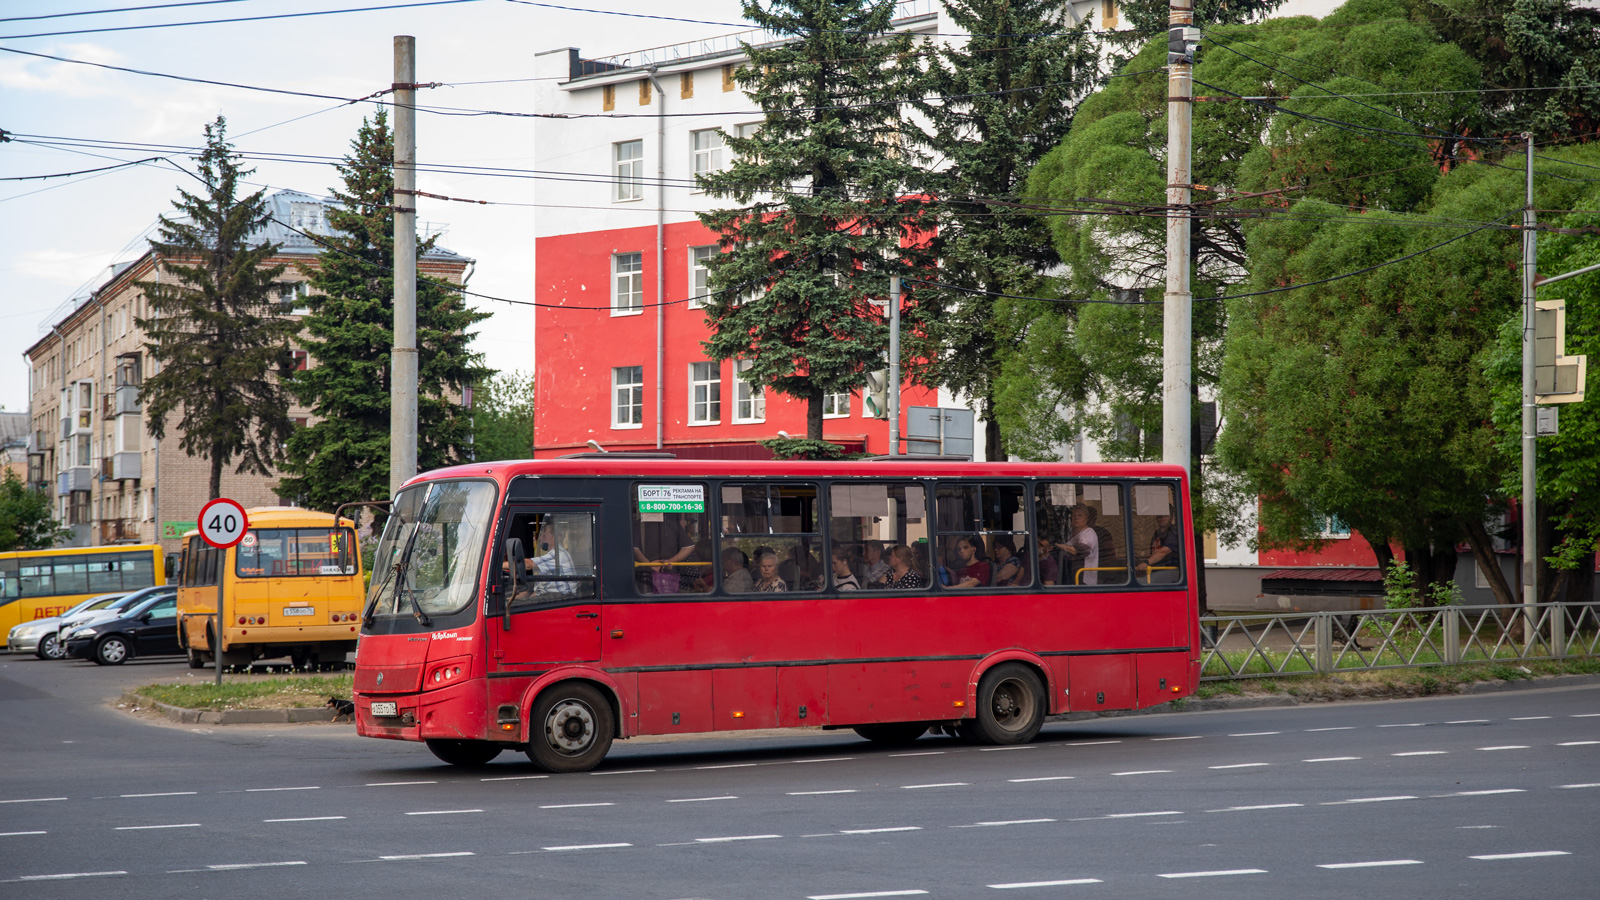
(516, 562)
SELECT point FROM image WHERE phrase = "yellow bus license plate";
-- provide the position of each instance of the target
(299, 611)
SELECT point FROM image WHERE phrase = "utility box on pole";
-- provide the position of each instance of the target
(1557, 377)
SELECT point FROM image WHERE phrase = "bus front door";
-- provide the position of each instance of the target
(554, 611)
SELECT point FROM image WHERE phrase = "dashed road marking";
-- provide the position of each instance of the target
(1528, 855)
(19, 833)
(1369, 800)
(1507, 747)
(519, 777)
(1242, 766)
(1255, 733)
(818, 793)
(1258, 806)
(625, 772)
(1467, 721)
(1485, 793)
(1089, 743)
(1005, 822)
(1042, 778)
(1144, 772)
(156, 827)
(307, 819)
(1334, 728)
(918, 787)
(1572, 786)
(1214, 873)
(231, 867)
(586, 847)
(829, 759)
(1371, 864)
(1332, 759)
(1187, 737)
(270, 790)
(1422, 753)
(1577, 743)
(36, 800)
(65, 875)
(863, 896)
(1038, 884)
(1404, 725)
(407, 856)
(397, 783)
(729, 766)
(1140, 815)
(737, 837)
(163, 794)
(919, 753)
(574, 805)
(702, 799)
(1527, 718)
(443, 812)
(1584, 715)
(1018, 747)
(881, 830)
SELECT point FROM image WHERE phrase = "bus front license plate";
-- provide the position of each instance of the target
(385, 708)
(299, 611)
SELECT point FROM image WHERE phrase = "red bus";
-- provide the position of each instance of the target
(554, 606)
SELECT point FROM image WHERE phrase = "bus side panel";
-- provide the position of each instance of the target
(803, 696)
(920, 691)
(1101, 681)
(1162, 677)
(674, 702)
(744, 698)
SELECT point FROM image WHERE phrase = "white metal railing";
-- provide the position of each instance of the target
(1266, 645)
(728, 43)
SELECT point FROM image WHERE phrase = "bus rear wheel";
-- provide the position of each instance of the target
(197, 660)
(570, 728)
(893, 734)
(1011, 707)
(465, 754)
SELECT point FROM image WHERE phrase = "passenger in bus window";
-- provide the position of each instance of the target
(799, 569)
(1009, 568)
(768, 581)
(1084, 546)
(660, 545)
(903, 569)
(1051, 560)
(878, 567)
(971, 569)
(735, 572)
(843, 578)
(1163, 554)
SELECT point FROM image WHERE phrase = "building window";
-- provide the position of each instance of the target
(705, 393)
(627, 397)
(836, 406)
(727, 78)
(629, 167)
(608, 98)
(293, 294)
(700, 275)
(301, 359)
(1108, 13)
(627, 281)
(644, 92)
(707, 151)
(748, 130)
(686, 85)
(750, 400)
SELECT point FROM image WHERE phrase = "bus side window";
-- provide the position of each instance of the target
(1158, 540)
(868, 521)
(771, 538)
(1082, 534)
(983, 535)
(671, 549)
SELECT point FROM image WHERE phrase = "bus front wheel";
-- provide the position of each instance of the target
(570, 728)
(465, 754)
(1010, 709)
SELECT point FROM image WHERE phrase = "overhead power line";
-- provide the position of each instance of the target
(298, 15)
(104, 12)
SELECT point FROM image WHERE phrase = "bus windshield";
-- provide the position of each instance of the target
(428, 559)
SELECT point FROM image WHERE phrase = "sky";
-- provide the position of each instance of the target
(58, 237)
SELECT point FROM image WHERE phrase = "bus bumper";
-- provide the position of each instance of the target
(456, 712)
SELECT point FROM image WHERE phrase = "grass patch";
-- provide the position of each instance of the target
(249, 691)
(1410, 682)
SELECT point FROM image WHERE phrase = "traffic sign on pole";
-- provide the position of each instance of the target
(223, 523)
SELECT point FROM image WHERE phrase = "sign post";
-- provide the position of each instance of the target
(223, 523)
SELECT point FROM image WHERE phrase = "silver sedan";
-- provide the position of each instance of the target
(39, 636)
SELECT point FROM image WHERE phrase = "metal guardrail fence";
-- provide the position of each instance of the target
(1264, 645)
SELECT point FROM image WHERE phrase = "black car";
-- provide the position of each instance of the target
(148, 629)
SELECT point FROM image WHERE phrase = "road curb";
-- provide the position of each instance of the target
(295, 716)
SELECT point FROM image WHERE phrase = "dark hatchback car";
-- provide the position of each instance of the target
(148, 629)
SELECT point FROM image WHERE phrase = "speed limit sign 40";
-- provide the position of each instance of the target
(223, 523)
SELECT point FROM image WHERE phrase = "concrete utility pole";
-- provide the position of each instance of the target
(403, 355)
(1176, 310)
(1530, 500)
(892, 376)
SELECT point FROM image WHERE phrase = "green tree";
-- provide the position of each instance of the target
(502, 417)
(27, 521)
(822, 198)
(995, 105)
(1148, 18)
(217, 331)
(348, 333)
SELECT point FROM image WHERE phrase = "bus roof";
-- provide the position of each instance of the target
(284, 517)
(57, 551)
(703, 468)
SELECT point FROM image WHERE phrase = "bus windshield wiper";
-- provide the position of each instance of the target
(371, 611)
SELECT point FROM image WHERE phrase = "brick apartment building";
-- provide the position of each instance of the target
(89, 446)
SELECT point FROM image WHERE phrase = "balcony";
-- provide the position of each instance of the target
(66, 427)
(126, 466)
(125, 400)
(119, 531)
(77, 478)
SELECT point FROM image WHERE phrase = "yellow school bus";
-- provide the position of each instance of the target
(38, 584)
(291, 588)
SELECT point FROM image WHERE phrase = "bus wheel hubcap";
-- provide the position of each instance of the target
(570, 727)
(1010, 704)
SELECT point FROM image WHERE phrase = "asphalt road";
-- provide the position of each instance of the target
(1484, 796)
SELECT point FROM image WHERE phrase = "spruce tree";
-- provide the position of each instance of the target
(348, 333)
(823, 203)
(995, 106)
(217, 332)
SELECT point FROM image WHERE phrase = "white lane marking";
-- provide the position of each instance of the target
(1466, 721)
(868, 894)
(1371, 864)
(1529, 855)
(702, 799)
(1169, 812)
(66, 875)
(443, 812)
(397, 783)
(917, 787)
(729, 766)
(1089, 743)
(816, 793)
(1527, 718)
(1507, 747)
(1331, 759)
(1006, 822)
(1334, 728)
(37, 800)
(230, 867)
(1261, 806)
(269, 790)
(587, 847)
(1404, 725)
(155, 827)
(514, 778)
(1486, 793)
(1035, 884)
(1369, 800)
(1571, 786)
(1020, 747)
(19, 833)
(881, 830)
(625, 772)
(1470, 827)
(1045, 778)
(1584, 715)
(1577, 743)
(1214, 873)
(404, 856)
(1422, 753)
(1255, 733)
(307, 819)
(1145, 772)
(737, 837)
(1187, 737)
(920, 753)
(1242, 766)
(574, 805)
(829, 759)
(165, 794)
